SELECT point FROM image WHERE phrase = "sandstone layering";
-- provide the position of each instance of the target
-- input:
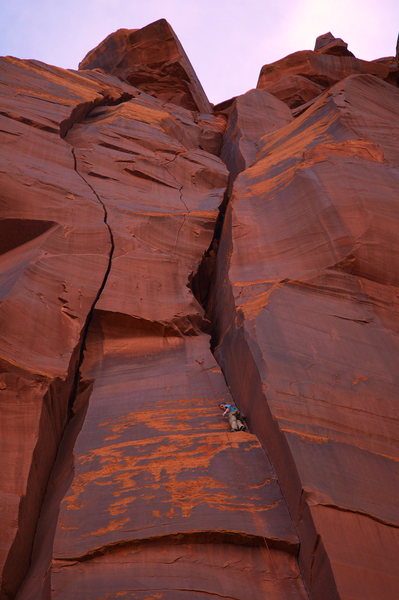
(160, 256)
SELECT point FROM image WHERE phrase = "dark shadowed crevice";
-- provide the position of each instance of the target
(36, 585)
(53, 417)
(193, 537)
(202, 282)
(205, 285)
(89, 317)
(82, 111)
(30, 122)
(17, 232)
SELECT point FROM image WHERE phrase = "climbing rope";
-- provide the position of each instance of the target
(272, 571)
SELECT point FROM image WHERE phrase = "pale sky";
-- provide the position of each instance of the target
(227, 41)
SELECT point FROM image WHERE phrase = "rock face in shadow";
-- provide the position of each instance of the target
(139, 228)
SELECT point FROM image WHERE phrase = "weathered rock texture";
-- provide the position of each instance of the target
(328, 44)
(307, 328)
(119, 475)
(152, 59)
(304, 75)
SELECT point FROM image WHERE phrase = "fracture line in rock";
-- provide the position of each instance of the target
(22, 594)
(196, 284)
(89, 317)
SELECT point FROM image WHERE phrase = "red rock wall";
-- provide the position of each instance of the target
(310, 338)
(152, 59)
(119, 476)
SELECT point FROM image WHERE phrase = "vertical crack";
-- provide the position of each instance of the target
(202, 282)
(181, 198)
(205, 286)
(35, 583)
(89, 317)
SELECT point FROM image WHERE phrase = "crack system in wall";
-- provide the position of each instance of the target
(29, 580)
(203, 284)
(206, 285)
(100, 289)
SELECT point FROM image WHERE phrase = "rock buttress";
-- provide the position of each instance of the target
(305, 305)
(300, 77)
(55, 253)
(153, 60)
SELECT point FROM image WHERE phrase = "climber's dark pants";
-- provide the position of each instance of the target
(235, 423)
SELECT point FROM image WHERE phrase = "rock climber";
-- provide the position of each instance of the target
(233, 415)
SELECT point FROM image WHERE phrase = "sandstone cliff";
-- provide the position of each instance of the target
(160, 256)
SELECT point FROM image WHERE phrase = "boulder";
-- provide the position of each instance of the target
(328, 44)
